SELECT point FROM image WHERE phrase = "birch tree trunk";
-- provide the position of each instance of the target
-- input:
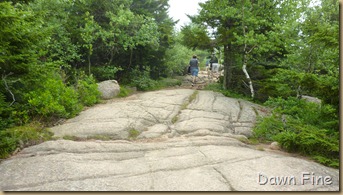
(247, 75)
(245, 57)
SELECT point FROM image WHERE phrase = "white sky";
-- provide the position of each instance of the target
(179, 8)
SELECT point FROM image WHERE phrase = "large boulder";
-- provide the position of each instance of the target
(109, 89)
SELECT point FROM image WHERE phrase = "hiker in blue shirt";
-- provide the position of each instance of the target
(194, 66)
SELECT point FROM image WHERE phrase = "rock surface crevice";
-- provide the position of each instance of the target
(200, 151)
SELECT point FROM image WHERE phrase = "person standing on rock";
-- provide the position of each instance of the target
(194, 66)
(208, 69)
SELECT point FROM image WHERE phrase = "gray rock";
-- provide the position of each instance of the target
(205, 163)
(109, 89)
(246, 131)
(311, 99)
(183, 146)
(154, 131)
(274, 146)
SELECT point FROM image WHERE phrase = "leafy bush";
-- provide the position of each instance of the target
(267, 128)
(54, 99)
(124, 91)
(283, 83)
(328, 89)
(322, 116)
(22, 136)
(19, 115)
(143, 82)
(303, 127)
(177, 57)
(310, 140)
(87, 90)
(102, 73)
(4, 113)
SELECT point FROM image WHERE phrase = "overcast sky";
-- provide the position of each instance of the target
(179, 8)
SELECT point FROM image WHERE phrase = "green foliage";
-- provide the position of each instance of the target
(195, 37)
(143, 82)
(133, 134)
(177, 59)
(286, 82)
(102, 73)
(127, 31)
(5, 112)
(22, 136)
(283, 83)
(2, 103)
(178, 56)
(124, 91)
(53, 99)
(289, 34)
(328, 89)
(322, 116)
(311, 141)
(267, 128)
(87, 90)
(45, 43)
(17, 39)
(19, 116)
(303, 127)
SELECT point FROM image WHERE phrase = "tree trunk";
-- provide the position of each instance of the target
(89, 64)
(247, 75)
(111, 56)
(228, 66)
(246, 53)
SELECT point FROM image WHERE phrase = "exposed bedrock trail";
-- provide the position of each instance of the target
(188, 140)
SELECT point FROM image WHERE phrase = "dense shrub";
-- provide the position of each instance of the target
(322, 116)
(124, 91)
(53, 99)
(142, 81)
(302, 127)
(5, 113)
(87, 89)
(328, 89)
(102, 73)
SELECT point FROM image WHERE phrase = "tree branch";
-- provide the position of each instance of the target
(251, 49)
(7, 88)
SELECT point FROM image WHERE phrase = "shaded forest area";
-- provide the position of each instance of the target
(53, 52)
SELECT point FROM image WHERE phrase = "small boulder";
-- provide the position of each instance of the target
(109, 89)
(274, 146)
